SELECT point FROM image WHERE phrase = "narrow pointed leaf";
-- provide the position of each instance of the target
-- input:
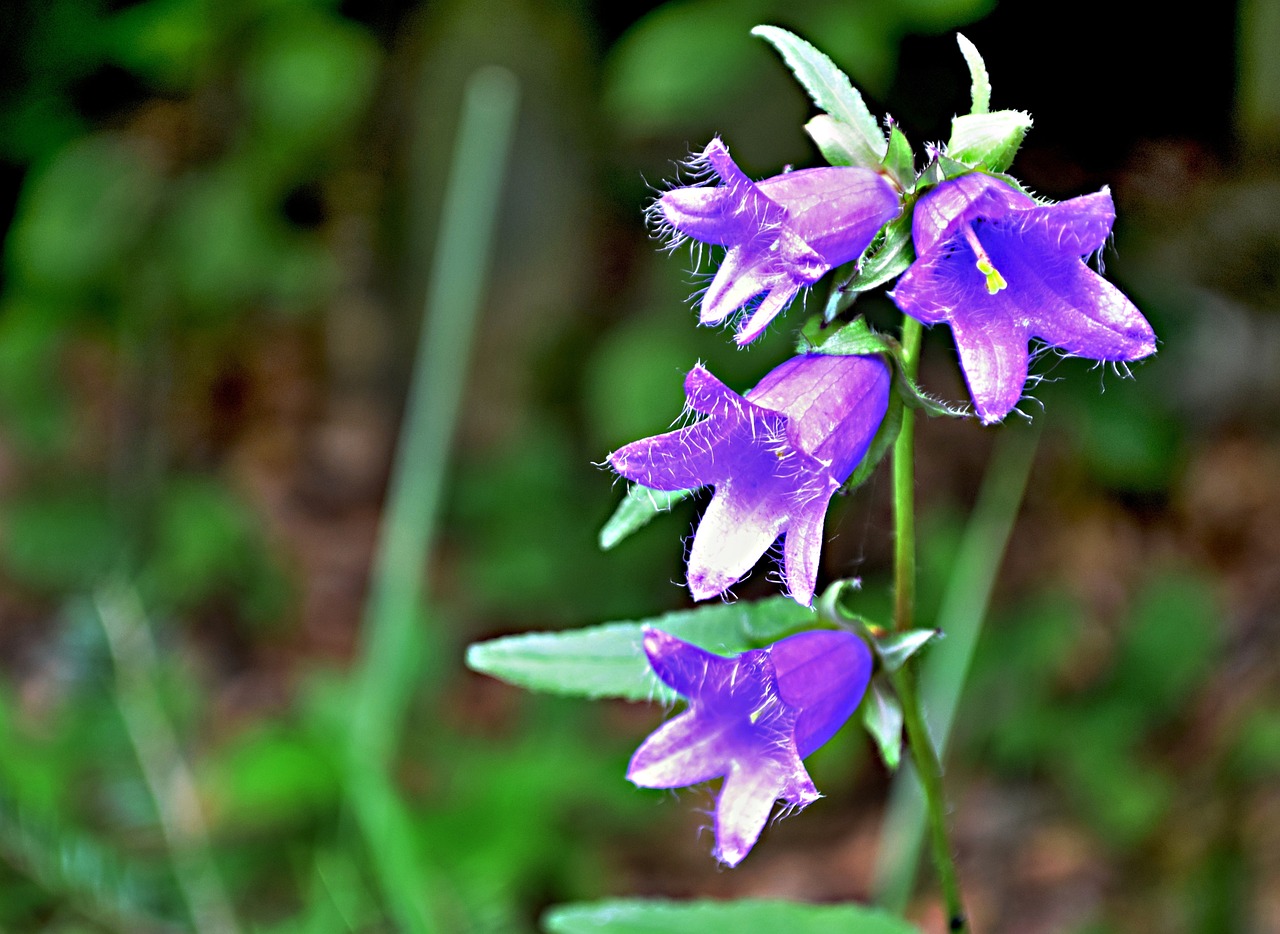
(644, 916)
(895, 649)
(899, 160)
(853, 339)
(981, 92)
(888, 261)
(830, 89)
(917, 398)
(636, 510)
(882, 716)
(609, 661)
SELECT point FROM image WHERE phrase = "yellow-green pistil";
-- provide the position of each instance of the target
(995, 281)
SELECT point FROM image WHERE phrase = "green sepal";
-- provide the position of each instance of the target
(838, 142)
(942, 168)
(655, 916)
(899, 161)
(887, 258)
(855, 339)
(858, 338)
(833, 92)
(609, 660)
(988, 140)
(637, 510)
(980, 92)
(882, 716)
(881, 445)
(895, 648)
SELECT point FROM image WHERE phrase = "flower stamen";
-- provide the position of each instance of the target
(995, 281)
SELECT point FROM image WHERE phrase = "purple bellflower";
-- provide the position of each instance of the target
(750, 719)
(783, 234)
(1001, 269)
(774, 457)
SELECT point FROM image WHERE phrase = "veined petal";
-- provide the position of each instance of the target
(1079, 226)
(684, 667)
(934, 289)
(746, 800)
(706, 394)
(745, 517)
(707, 214)
(824, 674)
(1098, 322)
(836, 211)
(769, 308)
(683, 751)
(834, 411)
(1067, 304)
(677, 460)
(994, 358)
(802, 549)
(745, 272)
(941, 213)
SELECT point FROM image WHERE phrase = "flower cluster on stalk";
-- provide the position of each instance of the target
(998, 267)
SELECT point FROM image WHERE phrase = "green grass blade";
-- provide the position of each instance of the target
(964, 606)
(395, 640)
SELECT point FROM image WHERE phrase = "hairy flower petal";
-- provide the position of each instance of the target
(774, 457)
(750, 719)
(1001, 269)
(782, 234)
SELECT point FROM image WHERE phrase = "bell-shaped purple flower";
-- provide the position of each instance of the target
(783, 234)
(1002, 269)
(774, 457)
(751, 719)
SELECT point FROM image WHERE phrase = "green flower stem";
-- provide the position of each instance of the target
(904, 491)
(919, 743)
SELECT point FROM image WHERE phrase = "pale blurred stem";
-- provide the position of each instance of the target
(919, 743)
(399, 654)
(165, 772)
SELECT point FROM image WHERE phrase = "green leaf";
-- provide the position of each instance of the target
(636, 510)
(899, 160)
(981, 92)
(853, 339)
(895, 649)
(988, 140)
(838, 142)
(831, 90)
(609, 660)
(643, 916)
(888, 259)
(882, 716)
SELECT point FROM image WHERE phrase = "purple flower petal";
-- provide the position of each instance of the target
(783, 234)
(774, 457)
(750, 718)
(1001, 269)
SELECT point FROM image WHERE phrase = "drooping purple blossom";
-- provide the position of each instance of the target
(783, 234)
(751, 719)
(1001, 269)
(774, 457)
